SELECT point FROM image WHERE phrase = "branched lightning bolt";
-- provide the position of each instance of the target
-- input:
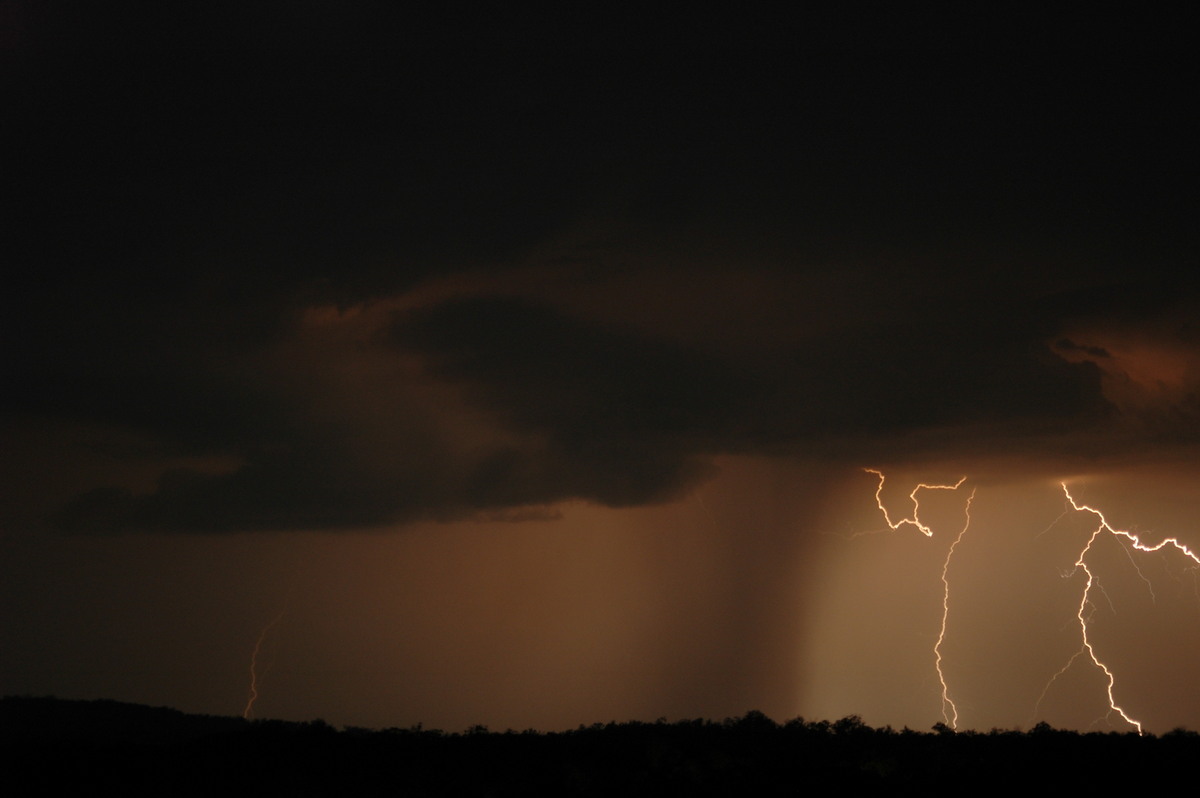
(1081, 563)
(1086, 603)
(253, 694)
(949, 710)
(915, 520)
(1133, 539)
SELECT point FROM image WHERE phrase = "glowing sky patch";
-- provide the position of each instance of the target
(988, 647)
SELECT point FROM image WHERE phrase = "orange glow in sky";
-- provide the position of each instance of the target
(1008, 607)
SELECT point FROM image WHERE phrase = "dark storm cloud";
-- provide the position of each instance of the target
(300, 487)
(180, 187)
(596, 411)
(589, 409)
(587, 387)
(1067, 345)
(580, 381)
(624, 416)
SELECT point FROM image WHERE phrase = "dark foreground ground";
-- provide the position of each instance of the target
(56, 747)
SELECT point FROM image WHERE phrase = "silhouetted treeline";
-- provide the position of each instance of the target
(58, 745)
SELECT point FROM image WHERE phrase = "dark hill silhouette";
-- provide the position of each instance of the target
(95, 746)
(114, 722)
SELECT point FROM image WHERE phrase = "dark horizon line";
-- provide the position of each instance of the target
(12, 706)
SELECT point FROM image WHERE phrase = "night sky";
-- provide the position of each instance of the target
(523, 372)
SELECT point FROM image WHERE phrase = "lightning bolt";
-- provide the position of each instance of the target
(1131, 543)
(951, 716)
(1135, 542)
(915, 519)
(253, 693)
(949, 709)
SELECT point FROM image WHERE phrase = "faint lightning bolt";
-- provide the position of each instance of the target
(949, 709)
(253, 693)
(1107, 598)
(1085, 600)
(1053, 524)
(1053, 679)
(1138, 568)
